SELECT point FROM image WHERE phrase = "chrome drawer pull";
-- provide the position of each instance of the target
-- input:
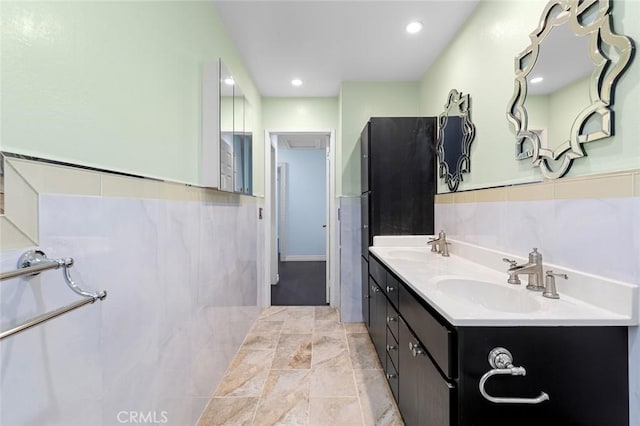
(391, 348)
(390, 319)
(390, 289)
(391, 376)
(415, 349)
(502, 362)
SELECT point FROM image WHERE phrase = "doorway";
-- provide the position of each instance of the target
(300, 172)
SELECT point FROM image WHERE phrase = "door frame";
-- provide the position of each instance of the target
(281, 199)
(333, 230)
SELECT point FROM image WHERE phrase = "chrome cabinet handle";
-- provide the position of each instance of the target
(415, 349)
(390, 289)
(391, 319)
(502, 362)
(391, 376)
(375, 289)
(391, 348)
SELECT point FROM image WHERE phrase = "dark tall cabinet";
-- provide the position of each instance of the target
(398, 175)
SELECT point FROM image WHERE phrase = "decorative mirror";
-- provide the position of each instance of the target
(455, 134)
(564, 85)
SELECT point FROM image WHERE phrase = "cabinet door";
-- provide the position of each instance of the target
(378, 320)
(584, 370)
(402, 175)
(364, 158)
(425, 397)
(365, 238)
(365, 291)
(408, 386)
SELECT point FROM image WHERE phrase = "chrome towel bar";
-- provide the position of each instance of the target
(32, 263)
(49, 315)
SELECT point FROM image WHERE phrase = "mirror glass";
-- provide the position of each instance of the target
(455, 134)
(564, 84)
(236, 159)
(227, 84)
(558, 87)
(247, 150)
(1, 184)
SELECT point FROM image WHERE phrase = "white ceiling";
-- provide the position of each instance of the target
(326, 42)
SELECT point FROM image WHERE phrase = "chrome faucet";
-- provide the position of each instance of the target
(533, 269)
(440, 244)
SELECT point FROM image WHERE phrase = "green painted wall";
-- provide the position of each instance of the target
(300, 113)
(480, 61)
(115, 85)
(358, 102)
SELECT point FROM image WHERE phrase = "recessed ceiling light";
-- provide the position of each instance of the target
(535, 80)
(414, 27)
(296, 82)
(229, 81)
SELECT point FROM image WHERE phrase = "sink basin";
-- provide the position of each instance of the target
(407, 254)
(489, 295)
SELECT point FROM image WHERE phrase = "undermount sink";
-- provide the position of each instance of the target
(489, 295)
(408, 254)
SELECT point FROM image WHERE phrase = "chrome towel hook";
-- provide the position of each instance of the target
(501, 362)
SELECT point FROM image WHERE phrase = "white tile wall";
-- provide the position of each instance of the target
(350, 266)
(597, 236)
(181, 279)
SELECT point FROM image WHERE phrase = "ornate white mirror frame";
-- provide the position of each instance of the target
(610, 53)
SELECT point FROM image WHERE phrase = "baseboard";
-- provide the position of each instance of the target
(304, 258)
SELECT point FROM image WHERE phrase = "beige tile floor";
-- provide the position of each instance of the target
(300, 366)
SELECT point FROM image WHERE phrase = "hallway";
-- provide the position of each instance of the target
(301, 284)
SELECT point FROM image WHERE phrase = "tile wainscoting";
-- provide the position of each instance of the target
(589, 224)
(181, 278)
(350, 263)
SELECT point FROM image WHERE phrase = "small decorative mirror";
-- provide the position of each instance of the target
(564, 85)
(455, 134)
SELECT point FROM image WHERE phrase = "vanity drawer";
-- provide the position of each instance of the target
(392, 349)
(392, 320)
(377, 271)
(391, 289)
(437, 339)
(392, 378)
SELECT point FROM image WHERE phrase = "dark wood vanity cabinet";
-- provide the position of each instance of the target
(398, 176)
(434, 368)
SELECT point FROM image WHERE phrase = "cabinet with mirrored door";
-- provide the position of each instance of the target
(227, 132)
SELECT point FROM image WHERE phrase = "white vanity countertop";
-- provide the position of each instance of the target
(585, 300)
